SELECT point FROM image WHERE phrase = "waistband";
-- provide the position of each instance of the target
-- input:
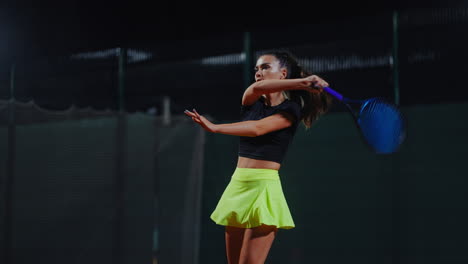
(251, 174)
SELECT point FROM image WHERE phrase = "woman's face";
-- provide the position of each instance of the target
(268, 67)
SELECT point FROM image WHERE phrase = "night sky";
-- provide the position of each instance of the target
(45, 28)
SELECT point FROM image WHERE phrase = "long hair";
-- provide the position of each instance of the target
(313, 105)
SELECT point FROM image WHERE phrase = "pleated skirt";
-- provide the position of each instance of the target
(252, 198)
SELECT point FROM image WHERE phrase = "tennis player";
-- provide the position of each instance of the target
(253, 206)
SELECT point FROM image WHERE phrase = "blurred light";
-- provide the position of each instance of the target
(434, 16)
(422, 56)
(329, 63)
(228, 59)
(132, 55)
(336, 63)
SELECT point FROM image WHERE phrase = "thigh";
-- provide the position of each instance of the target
(257, 243)
(234, 237)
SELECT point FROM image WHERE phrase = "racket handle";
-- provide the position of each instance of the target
(333, 93)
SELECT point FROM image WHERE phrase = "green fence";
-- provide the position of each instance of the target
(353, 206)
(83, 186)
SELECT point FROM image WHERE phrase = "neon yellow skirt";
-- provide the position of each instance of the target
(253, 197)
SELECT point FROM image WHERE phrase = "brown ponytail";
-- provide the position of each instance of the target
(313, 105)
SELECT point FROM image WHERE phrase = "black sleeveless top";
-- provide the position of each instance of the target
(272, 146)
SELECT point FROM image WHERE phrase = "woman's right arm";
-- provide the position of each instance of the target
(255, 90)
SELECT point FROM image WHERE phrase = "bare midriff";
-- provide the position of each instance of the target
(244, 162)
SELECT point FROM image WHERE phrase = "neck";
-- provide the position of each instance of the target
(274, 98)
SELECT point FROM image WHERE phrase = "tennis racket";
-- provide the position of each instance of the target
(381, 124)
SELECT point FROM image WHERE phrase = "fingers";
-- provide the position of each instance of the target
(317, 82)
(196, 120)
(194, 115)
(191, 114)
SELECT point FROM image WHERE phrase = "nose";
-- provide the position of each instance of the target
(257, 74)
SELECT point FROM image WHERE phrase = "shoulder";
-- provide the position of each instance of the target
(261, 99)
(291, 108)
(257, 103)
(289, 105)
(254, 107)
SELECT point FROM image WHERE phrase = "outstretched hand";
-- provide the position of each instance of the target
(201, 120)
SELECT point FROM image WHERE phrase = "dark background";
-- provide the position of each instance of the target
(39, 38)
(54, 27)
(59, 28)
(405, 208)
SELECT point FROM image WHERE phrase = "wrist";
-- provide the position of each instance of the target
(214, 128)
(307, 84)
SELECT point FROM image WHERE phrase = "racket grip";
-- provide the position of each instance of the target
(333, 93)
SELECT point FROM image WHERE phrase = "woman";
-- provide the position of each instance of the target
(253, 206)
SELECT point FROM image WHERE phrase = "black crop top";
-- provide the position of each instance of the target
(271, 146)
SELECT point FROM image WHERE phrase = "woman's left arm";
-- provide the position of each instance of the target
(251, 128)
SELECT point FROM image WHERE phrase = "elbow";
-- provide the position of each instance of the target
(255, 90)
(255, 134)
(256, 87)
(257, 131)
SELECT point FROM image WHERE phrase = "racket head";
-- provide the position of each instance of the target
(382, 125)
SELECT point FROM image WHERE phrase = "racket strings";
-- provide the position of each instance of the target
(381, 124)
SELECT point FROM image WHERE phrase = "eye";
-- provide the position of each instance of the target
(262, 67)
